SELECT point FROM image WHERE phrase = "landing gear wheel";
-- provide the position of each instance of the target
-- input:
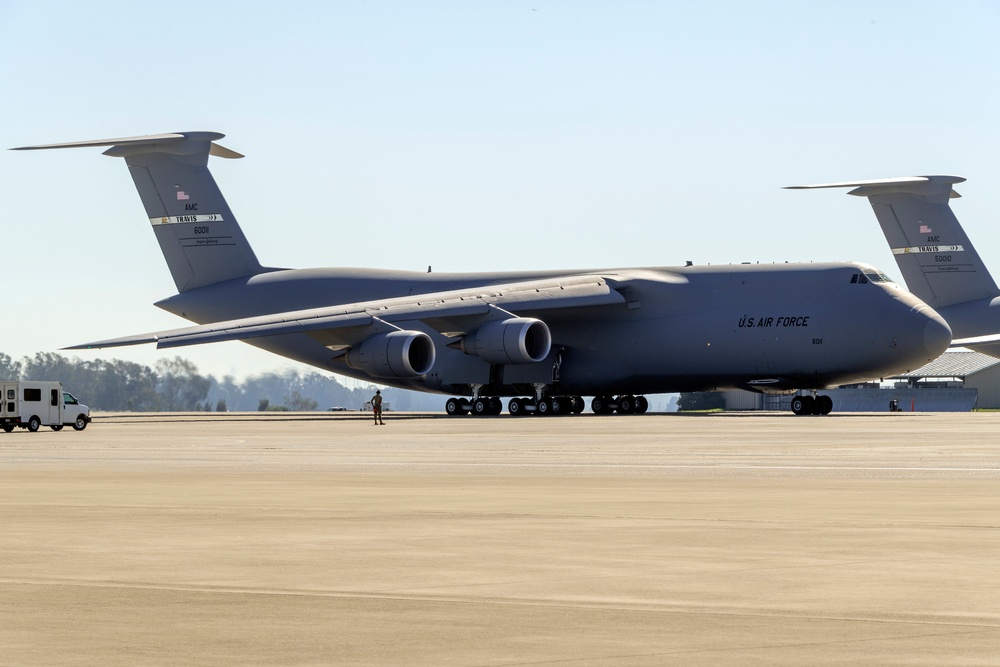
(824, 405)
(56, 427)
(481, 407)
(560, 405)
(577, 404)
(496, 406)
(803, 405)
(600, 405)
(516, 407)
(626, 405)
(544, 407)
(641, 405)
(34, 423)
(454, 407)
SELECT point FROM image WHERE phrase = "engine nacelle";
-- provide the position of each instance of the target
(396, 354)
(519, 340)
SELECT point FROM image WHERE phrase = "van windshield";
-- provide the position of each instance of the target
(69, 399)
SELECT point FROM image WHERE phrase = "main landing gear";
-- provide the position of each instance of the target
(812, 405)
(479, 407)
(623, 405)
(547, 405)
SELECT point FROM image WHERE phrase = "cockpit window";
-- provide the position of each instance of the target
(878, 277)
(870, 277)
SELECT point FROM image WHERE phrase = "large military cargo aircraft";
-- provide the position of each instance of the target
(935, 257)
(543, 338)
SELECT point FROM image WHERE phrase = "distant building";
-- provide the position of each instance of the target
(958, 369)
(957, 381)
(739, 399)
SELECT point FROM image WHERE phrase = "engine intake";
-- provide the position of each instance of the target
(519, 340)
(395, 354)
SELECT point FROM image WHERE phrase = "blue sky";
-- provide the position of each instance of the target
(478, 136)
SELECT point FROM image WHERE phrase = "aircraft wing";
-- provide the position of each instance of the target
(452, 313)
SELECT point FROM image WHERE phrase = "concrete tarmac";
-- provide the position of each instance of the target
(319, 539)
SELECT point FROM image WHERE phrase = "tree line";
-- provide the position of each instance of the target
(175, 385)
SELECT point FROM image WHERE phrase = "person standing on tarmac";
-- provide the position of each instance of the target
(377, 408)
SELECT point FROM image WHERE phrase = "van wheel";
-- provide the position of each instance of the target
(80, 423)
(8, 428)
(34, 423)
(56, 427)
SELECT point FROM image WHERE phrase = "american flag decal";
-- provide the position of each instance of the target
(924, 229)
(181, 195)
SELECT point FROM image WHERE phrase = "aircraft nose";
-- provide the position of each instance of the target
(937, 335)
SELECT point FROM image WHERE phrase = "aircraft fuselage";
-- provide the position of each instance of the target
(764, 326)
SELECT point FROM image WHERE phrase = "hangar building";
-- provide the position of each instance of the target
(957, 381)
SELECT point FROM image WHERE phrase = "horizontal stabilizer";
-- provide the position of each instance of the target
(909, 184)
(145, 141)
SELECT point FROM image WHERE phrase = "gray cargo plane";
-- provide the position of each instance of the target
(935, 257)
(544, 338)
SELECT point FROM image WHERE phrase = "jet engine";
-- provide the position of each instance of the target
(395, 354)
(518, 340)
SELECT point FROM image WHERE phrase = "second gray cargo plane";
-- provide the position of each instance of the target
(544, 338)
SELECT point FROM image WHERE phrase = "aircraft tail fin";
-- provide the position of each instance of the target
(937, 261)
(198, 234)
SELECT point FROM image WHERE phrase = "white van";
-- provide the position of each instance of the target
(33, 404)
